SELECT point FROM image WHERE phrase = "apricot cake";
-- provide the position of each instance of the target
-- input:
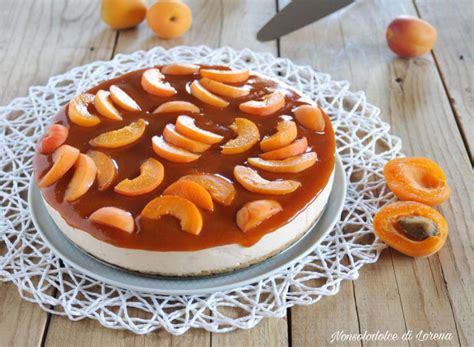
(186, 169)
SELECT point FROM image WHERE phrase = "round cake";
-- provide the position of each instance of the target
(186, 170)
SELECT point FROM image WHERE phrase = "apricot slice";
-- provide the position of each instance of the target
(417, 179)
(106, 169)
(185, 126)
(56, 135)
(297, 147)
(176, 206)
(247, 136)
(414, 229)
(120, 137)
(103, 104)
(192, 191)
(201, 93)
(63, 159)
(114, 217)
(223, 89)
(78, 113)
(180, 69)
(269, 104)
(173, 137)
(293, 164)
(171, 152)
(255, 212)
(286, 134)
(226, 76)
(83, 178)
(221, 189)
(311, 117)
(153, 83)
(151, 175)
(252, 181)
(177, 106)
(123, 99)
(169, 19)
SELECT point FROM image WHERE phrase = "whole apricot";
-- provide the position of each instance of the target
(410, 36)
(169, 19)
(122, 14)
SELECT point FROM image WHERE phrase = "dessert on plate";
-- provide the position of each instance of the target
(186, 170)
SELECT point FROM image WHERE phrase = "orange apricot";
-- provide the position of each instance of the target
(310, 116)
(253, 182)
(226, 76)
(294, 164)
(106, 169)
(103, 104)
(56, 135)
(221, 189)
(120, 137)
(201, 93)
(180, 69)
(78, 113)
(185, 126)
(63, 159)
(83, 178)
(173, 137)
(247, 136)
(123, 99)
(114, 217)
(223, 89)
(255, 212)
(171, 152)
(151, 175)
(122, 14)
(177, 106)
(286, 134)
(153, 83)
(417, 179)
(169, 19)
(269, 104)
(192, 191)
(297, 147)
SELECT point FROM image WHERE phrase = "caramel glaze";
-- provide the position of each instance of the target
(219, 226)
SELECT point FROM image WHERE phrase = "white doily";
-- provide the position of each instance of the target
(364, 145)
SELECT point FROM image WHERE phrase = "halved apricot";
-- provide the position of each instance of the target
(294, 164)
(63, 159)
(411, 228)
(247, 136)
(221, 189)
(78, 113)
(171, 152)
(123, 99)
(201, 93)
(176, 206)
(255, 212)
(226, 76)
(297, 147)
(120, 137)
(185, 126)
(192, 191)
(106, 169)
(223, 89)
(83, 178)
(103, 104)
(286, 134)
(114, 217)
(180, 69)
(311, 117)
(269, 104)
(252, 181)
(417, 179)
(151, 175)
(153, 83)
(177, 106)
(173, 137)
(56, 135)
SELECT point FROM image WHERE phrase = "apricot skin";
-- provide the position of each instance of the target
(169, 19)
(122, 14)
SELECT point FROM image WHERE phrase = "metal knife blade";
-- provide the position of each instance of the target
(298, 14)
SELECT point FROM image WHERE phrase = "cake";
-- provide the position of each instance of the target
(186, 170)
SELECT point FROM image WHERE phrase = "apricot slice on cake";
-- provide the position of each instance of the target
(192, 191)
(185, 126)
(176, 206)
(180, 69)
(297, 147)
(226, 76)
(171, 152)
(177, 106)
(153, 83)
(83, 178)
(255, 212)
(106, 169)
(417, 179)
(103, 104)
(63, 159)
(114, 217)
(221, 189)
(123, 99)
(173, 137)
(247, 136)
(286, 134)
(120, 137)
(269, 104)
(310, 116)
(151, 175)
(78, 113)
(223, 89)
(252, 181)
(201, 93)
(294, 164)
(56, 135)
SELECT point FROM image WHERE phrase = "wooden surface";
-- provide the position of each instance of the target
(428, 101)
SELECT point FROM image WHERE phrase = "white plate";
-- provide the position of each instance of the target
(92, 267)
